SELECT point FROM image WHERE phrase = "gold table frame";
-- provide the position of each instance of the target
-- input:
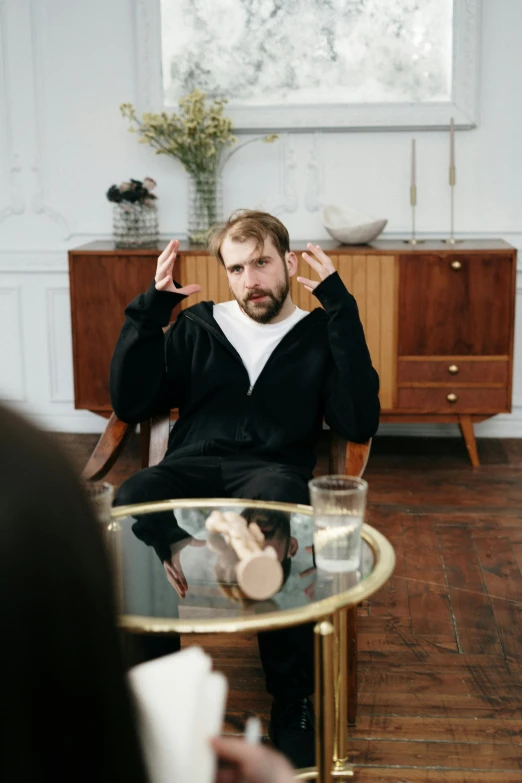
(332, 616)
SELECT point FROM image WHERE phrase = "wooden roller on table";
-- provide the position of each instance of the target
(258, 571)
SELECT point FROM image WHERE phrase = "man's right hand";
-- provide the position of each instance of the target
(163, 277)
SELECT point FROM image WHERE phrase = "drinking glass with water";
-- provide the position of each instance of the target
(339, 506)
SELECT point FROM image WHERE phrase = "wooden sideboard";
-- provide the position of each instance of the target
(439, 320)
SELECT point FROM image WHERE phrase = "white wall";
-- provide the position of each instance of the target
(66, 65)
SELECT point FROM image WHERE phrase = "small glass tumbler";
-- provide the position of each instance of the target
(101, 495)
(339, 506)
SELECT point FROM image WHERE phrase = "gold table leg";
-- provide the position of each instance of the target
(341, 689)
(351, 622)
(331, 703)
(324, 700)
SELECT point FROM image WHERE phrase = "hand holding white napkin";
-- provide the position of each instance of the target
(181, 705)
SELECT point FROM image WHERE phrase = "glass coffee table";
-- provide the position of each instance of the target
(174, 577)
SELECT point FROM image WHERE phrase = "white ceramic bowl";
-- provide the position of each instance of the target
(349, 226)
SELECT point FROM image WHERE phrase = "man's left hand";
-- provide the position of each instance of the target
(175, 575)
(319, 261)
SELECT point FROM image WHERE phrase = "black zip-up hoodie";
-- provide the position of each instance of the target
(320, 369)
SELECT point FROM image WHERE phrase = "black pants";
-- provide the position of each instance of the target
(286, 654)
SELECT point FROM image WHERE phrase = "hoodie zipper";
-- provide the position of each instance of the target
(223, 340)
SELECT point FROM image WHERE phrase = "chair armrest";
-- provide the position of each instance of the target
(357, 455)
(346, 457)
(107, 449)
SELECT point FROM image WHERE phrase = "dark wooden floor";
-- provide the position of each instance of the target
(440, 660)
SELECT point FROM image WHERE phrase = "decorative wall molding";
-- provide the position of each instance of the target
(147, 39)
(466, 56)
(59, 345)
(39, 25)
(12, 354)
(27, 261)
(62, 421)
(10, 156)
(315, 180)
(287, 198)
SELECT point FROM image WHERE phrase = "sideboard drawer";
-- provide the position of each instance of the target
(454, 370)
(453, 399)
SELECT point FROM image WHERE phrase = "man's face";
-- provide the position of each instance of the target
(258, 281)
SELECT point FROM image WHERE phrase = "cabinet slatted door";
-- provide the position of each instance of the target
(210, 275)
(373, 281)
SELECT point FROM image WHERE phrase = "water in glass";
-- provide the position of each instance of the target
(337, 542)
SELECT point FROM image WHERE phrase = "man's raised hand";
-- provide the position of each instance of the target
(319, 261)
(164, 270)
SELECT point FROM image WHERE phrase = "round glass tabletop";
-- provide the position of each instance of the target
(173, 575)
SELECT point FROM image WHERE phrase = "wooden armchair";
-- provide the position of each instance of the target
(345, 457)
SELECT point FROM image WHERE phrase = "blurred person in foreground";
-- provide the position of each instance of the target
(67, 709)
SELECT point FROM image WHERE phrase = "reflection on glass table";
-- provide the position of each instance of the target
(173, 567)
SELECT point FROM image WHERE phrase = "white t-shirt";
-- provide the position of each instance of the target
(253, 341)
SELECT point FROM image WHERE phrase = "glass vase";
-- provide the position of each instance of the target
(135, 225)
(205, 205)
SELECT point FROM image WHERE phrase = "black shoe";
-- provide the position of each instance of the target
(292, 730)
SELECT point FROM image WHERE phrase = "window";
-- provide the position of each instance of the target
(318, 64)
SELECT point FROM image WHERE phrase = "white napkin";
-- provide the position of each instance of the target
(181, 705)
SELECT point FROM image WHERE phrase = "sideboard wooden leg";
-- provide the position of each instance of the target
(466, 428)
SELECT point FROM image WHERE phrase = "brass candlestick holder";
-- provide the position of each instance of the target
(452, 182)
(413, 202)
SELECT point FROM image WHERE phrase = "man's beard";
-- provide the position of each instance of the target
(264, 312)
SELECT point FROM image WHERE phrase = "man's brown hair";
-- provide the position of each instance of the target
(247, 224)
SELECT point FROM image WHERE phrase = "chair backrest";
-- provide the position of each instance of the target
(154, 439)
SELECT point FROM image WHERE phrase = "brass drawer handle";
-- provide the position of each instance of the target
(453, 369)
(456, 265)
(452, 397)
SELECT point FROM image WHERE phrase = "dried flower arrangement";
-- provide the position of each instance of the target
(198, 136)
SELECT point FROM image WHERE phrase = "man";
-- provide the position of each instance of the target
(253, 379)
